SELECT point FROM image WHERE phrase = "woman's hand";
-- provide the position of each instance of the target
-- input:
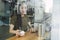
(20, 33)
(17, 33)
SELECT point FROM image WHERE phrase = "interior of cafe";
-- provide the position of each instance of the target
(38, 12)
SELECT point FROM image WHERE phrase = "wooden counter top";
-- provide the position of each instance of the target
(28, 36)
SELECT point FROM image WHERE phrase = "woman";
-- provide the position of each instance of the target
(21, 21)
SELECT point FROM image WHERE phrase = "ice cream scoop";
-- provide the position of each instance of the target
(22, 33)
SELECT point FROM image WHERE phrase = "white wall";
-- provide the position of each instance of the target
(48, 5)
(38, 10)
(55, 33)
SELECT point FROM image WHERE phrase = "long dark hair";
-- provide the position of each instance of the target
(18, 23)
(19, 18)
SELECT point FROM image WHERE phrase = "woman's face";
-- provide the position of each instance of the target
(23, 8)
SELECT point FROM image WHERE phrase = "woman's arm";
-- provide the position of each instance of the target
(17, 32)
(29, 23)
(31, 28)
(11, 29)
